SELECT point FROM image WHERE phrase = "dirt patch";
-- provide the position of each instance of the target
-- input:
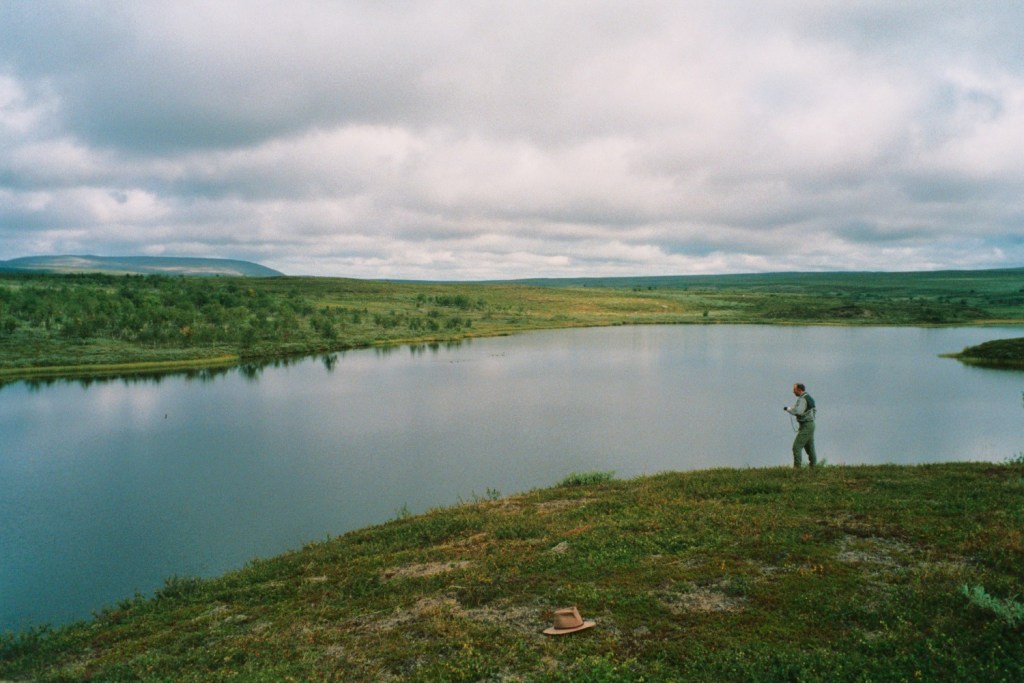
(216, 612)
(504, 615)
(416, 571)
(884, 552)
(957, 569)
(701, 600)
(502, 505)
(852, 525)
(562, 504)
(423, 608)
(474, 542)
(221, 614)
(515, 617)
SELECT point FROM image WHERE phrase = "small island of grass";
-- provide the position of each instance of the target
(999, 353)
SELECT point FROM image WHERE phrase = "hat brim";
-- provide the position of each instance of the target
(562, 631)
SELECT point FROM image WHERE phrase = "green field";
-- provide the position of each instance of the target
(75, 325)
(877, 573)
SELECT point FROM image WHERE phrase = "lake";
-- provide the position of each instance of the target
(107, 488)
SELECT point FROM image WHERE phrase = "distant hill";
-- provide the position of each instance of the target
(791, 281)
(137, 265)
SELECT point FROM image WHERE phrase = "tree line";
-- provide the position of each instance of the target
(175, 311)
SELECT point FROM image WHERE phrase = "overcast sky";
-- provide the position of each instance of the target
(480, 139)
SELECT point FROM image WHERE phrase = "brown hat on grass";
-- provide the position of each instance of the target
(567, 620)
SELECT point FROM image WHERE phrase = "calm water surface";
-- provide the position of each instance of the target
(109, 488)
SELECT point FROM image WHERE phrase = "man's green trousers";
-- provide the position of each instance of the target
(804, 441)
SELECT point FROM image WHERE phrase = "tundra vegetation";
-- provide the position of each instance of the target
(998, 353)
(87, 324)
(880, 573)
(853, 573)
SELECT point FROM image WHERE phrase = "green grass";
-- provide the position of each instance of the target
(1007, 609)
(874, 573)
(586, 478)
(998, 353)
(79, 325)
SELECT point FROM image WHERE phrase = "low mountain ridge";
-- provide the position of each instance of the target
(138, 265)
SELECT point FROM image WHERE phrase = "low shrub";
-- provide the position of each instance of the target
(1008, 610)
(587, 478)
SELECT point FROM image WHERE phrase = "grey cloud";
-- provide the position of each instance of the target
(943, 188)
(452, 140)
(152, 77)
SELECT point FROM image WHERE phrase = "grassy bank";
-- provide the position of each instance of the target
(998, 353)
(840, 574)
(77, 325)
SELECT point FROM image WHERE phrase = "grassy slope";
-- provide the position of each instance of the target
(407, 312)
(839, 574)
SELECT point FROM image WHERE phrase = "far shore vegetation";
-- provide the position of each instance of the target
(998, 353)
(78, 325)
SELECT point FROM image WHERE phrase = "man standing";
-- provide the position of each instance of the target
(803, 409)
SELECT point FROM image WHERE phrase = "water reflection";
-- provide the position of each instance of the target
(35, 384)
(249, 369)
(198, 471)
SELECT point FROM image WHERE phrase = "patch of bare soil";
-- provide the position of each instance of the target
(560, 549)
(562, 504)
(517, 617)
(476, 540)
(505, 615)
(415, 571)
(703, 599)
(884, 552)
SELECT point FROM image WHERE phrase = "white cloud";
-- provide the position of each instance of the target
(986, 127)
(455, 140)
(18, 116)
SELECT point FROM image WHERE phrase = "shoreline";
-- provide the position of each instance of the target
(705, 575)
(73, 327)
(130, 369)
